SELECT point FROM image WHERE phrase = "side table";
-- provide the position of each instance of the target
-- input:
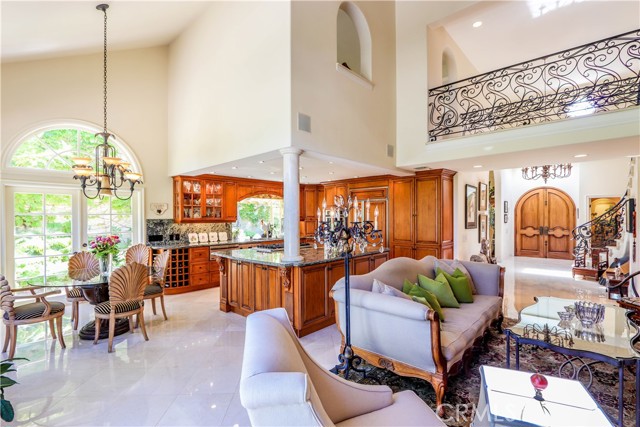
(507, 399)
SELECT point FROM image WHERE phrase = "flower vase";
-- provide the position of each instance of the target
(105, 264)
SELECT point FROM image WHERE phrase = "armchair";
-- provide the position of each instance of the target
(282, 385)
(35, 312)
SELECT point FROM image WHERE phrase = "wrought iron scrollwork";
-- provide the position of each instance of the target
(596, 77)
(599, 232)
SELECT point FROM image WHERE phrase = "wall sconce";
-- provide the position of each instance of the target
(159, 208)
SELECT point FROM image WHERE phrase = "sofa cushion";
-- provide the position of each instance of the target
(467, 323)
(407, 409)
(459, 285)
(430, 300)
(381, 288)
(450, 267)
(440, 288)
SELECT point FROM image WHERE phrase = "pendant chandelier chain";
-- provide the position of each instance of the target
(105, 70)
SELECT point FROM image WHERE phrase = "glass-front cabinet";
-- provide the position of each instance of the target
(197, 200)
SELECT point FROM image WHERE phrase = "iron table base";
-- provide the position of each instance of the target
(88, 331)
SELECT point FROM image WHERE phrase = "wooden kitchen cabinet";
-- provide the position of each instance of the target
(230, 201)
(189, 269)
(197, 200)
(421, 215)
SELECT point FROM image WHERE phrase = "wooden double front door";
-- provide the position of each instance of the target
(544, 220)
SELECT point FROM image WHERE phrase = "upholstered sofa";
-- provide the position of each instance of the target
(281, 385)
(406, 337)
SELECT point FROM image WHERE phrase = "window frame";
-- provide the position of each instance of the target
(17, 179)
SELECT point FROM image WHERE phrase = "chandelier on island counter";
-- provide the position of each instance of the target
(106, 174)
(562, 170)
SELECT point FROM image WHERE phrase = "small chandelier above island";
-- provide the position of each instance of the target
(109, 173)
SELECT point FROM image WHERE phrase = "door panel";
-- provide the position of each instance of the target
(529, 219)
(427, 203)
(401, 218)
(561, 221)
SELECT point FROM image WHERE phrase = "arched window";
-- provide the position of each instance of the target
(354, 40)
(51, 148)
(47, 217)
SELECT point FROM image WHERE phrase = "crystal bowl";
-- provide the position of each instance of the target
(566, 315)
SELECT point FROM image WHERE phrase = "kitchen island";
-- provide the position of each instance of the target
(252, 281)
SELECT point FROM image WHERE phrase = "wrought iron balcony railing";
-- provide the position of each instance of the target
(592, 78)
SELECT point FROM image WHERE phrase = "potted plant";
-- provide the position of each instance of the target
(6, 409)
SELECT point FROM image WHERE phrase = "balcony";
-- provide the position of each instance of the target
(593, 78)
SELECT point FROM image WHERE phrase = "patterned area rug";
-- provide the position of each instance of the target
(463, 390)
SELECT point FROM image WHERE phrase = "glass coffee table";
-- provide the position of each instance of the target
(613, 341)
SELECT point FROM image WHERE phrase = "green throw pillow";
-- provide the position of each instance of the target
(440, 288)
(407, 285)
(459, 285)
(418, 294)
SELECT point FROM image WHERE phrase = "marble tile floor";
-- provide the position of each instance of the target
(188, 373)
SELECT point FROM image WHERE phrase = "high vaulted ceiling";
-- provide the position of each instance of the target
(517, 31)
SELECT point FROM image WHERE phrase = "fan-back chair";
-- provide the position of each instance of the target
(139, 253)
(82, 266)
(156, 288)
(35, 312)
(126, 293)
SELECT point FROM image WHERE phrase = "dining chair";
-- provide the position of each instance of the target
(25, 314)
(139, 253)
(82, 266)
(126, 293)
(156, 288)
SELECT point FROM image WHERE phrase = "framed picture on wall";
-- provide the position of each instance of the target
(506, 207)
(471, 207)
(483, 230)
(482, 201)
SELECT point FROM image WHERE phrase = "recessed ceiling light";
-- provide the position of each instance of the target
(261, 161)
(234, 167)
(212, 172)
(330, 163)
(477, 166)
(272, 173)
(477, 24)
(577, 156)
(249, 176)
(300, 168)
(356, 176)
(330, 173)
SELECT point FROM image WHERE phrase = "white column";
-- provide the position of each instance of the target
(291, 181)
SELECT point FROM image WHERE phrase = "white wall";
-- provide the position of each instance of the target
(412, 18)
(439, 40)
(466, 240)
(230, 85)
(34, 92)
(349, 119)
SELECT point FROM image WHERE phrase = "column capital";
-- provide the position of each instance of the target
(291, 150)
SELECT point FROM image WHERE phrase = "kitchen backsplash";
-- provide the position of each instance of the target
(166, 227)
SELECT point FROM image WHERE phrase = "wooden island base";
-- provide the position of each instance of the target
(253, 281)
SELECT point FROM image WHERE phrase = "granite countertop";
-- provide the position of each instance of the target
(311, 256)
(227, 243)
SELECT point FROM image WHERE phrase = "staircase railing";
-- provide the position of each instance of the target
(592, 78)
(607, 227)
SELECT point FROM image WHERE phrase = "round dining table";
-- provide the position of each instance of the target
(95, 291)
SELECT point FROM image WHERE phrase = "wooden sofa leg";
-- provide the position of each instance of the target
(439, 385)
(499, 323)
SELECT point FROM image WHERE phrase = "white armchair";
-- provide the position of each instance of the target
(282, 385)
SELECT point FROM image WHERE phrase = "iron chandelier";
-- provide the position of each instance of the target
(110, 173)
(562, 170)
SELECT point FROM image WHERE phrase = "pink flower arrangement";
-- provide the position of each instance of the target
(102, 246)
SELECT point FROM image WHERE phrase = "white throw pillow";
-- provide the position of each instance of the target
(381, 288)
